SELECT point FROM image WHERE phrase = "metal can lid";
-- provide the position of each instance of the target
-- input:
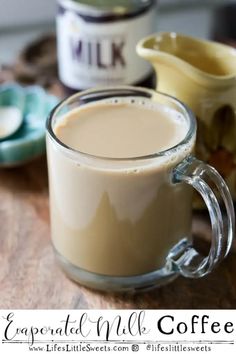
(108, 7)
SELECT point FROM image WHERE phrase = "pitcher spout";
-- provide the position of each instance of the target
(204, 61)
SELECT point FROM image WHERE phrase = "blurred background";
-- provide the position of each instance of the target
(21, 21)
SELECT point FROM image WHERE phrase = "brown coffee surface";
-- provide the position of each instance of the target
(121, 130)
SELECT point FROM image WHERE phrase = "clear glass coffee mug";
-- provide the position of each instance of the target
(125, 224)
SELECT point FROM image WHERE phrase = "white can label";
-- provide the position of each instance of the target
(101, 53)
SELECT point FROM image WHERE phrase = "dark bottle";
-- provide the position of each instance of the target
(224, 24)
(96, 42)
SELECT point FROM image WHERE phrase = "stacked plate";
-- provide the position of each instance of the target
(23, 113)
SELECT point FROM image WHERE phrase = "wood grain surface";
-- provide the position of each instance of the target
(31, 279)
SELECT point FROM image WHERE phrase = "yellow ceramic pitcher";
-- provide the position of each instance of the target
(201, 74)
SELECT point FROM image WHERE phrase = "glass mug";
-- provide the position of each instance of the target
(124, 224)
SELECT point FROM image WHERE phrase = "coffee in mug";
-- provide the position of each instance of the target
(120, 169)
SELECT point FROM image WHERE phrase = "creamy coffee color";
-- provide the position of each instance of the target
(121, 130)
(118, 219)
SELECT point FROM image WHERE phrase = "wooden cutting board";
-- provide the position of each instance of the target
(31, 279)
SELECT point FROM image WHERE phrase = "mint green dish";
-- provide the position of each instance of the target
(28, 142)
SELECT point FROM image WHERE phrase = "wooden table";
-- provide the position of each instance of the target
(31, 279)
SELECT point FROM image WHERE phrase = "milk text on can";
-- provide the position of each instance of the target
(96, 42)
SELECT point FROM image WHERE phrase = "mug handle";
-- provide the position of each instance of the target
(184, 258)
